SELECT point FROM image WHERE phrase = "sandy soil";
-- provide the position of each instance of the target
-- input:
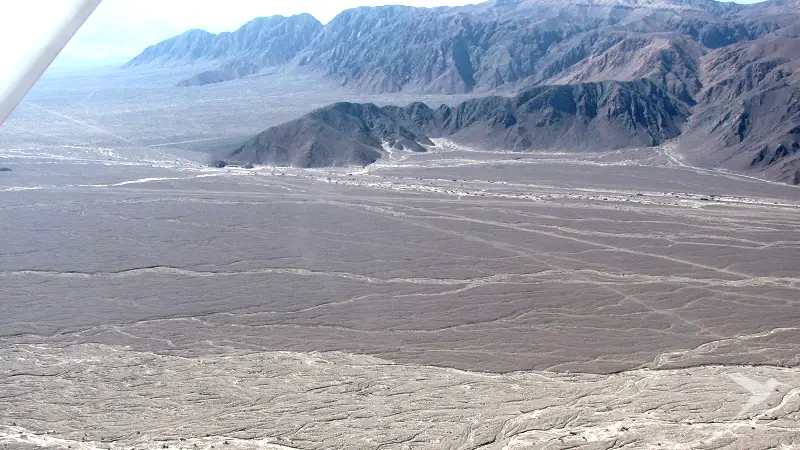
(457, 299)
(96, 396)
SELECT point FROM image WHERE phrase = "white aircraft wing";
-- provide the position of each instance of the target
(33, 65)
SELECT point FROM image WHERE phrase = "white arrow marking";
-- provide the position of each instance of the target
(759, 392)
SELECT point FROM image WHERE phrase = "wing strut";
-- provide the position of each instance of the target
(39, 60)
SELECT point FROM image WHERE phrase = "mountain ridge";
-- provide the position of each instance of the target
(460, 49)
(726, 73)
(591, 116)
(262, 42)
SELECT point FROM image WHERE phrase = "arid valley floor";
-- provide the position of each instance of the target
(453, 299)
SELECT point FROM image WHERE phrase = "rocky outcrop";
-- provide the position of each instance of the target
(208, 77)
(342, 134)
(590, 116)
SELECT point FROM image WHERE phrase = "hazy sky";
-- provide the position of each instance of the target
(122, 28)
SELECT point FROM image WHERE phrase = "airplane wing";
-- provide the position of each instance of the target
(35, 63)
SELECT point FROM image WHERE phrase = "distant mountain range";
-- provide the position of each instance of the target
(587, 74)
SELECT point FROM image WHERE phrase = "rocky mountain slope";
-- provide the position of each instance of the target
(263, 42)
(728, 66)
(501, 43)
(339, 135)
(670, 59)
(591, 116)
(748, 115)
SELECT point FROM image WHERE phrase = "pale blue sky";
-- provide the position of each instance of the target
(122, 28)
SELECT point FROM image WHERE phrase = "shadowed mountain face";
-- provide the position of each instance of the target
(748, 116)
(592, 116)
(342, 134)
(646, 64)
